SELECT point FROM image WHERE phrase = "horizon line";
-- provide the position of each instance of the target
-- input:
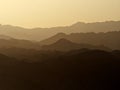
(38, 27)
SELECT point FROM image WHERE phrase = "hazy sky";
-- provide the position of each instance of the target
(48, 13)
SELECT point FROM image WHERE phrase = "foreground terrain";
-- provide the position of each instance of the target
(82, 69)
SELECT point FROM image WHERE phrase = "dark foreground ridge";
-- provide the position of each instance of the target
(74, 70)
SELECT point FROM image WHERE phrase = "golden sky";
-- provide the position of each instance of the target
(48, 13)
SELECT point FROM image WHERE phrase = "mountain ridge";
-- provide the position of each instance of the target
(42, 33)
(5, 37)
(66, 45)
(109, 39)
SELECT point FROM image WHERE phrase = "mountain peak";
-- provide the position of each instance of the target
(61, 45)
(5, 37)
(63, 41)
(60, 34)
(78, 23)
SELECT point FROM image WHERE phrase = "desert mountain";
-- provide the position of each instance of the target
(42, 33)
(5, 37)
(74, 70)
(17, 43)
(108, 39)
(66, 45)
(6, 60)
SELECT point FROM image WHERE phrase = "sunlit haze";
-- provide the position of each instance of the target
(49, 13)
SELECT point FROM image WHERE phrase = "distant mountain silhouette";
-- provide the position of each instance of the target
(42, 33)
(66, 45)
(19, 53)
(5, 60)
(5, 37)
(17, 43)
(75, 57)
(109, 39)
(53, 39)
(74, 70)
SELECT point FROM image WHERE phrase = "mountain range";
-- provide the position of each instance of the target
(66, 45)
(83, 56)
(5, 37)
(25, 50)
(108, 39)
(6, 42)
(64, 41)
(73, 70)
(39, 34)
(63, 61)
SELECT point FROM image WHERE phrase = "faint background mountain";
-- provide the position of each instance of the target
(18, 43)
(5, 37)
(30, 51)
(109, 39)
(66, 45)
(74, 70)
(42, 33)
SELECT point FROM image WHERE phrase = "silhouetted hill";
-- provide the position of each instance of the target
(66, 45)
(7, 61)
(42, 33)
(96, 27)
(109, 39)
(5, 37)
(20, 53)
(3, 57)
(9, 43)
(75, 70)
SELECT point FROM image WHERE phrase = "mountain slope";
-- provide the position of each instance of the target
(7, 61)
(42, 33)
(16, 43)
(5, 37)
(66, 45)
(109, 39)
(74, 70)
